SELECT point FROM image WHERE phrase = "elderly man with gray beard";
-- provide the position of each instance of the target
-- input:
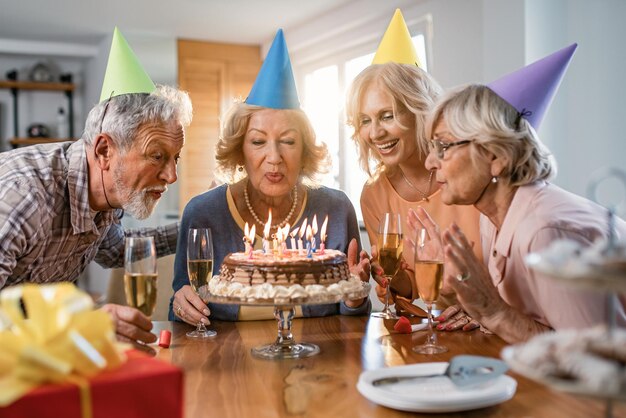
(61, 204)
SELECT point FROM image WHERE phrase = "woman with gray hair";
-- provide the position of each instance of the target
(487, 154)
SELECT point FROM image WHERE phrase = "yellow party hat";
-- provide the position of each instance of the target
(396, 45)
(124, 73)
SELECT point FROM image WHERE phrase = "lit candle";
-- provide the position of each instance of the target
(314, 230)
(302, 232)
(278, 237)
(309, 239)
(285, 234)
(246, 234)
(323, 236)
(309, 247)
(293, 234)
(251, 239)
(266, 234)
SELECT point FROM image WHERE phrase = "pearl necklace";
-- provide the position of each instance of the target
(256, 217)
(430, 180)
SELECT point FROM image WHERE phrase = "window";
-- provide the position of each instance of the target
(325, 86)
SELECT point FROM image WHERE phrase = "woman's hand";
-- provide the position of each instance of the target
(362, 269)
(454, 318)
(470, 280)
(189, 307)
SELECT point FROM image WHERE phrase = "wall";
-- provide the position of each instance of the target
(583, 128)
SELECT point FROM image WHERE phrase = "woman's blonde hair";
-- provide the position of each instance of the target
(411, 88)
(475, 112)
(229, 148)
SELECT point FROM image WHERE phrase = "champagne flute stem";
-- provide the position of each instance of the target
(432, 339)
(201, 327)
(387, 295)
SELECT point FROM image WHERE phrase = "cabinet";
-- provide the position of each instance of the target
(16, 86)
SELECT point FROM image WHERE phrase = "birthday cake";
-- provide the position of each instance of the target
(288, 277)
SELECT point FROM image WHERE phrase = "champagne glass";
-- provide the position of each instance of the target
(390, 245)
(429, 279)
(140, 273)
(200, 268)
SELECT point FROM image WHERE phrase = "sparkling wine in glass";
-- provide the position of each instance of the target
(390, 246)
(140, 274)
(199, 269)
(429, 279)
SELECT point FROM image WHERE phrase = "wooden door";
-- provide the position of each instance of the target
(214, 75)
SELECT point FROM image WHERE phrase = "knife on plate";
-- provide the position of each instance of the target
(462, 370)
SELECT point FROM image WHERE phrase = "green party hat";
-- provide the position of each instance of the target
(124, 73)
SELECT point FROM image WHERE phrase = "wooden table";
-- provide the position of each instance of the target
(222, 379)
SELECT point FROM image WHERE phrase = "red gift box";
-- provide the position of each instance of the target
(141, 387)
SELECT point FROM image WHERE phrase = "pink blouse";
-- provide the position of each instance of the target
(541, 213)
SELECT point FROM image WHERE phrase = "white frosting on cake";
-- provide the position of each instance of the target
(265, 292)
(288, 277)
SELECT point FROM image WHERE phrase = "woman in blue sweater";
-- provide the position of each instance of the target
(273, 163)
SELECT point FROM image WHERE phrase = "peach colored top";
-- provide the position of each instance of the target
(379, 197)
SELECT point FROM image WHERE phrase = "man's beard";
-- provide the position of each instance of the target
(138, 203)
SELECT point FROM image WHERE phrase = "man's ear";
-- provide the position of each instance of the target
(103, 150)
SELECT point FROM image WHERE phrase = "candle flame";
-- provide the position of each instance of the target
(246, 230)
(286, 231)
(303, 227)
(323, 230)
(293, 233)
(309, 233)
(279, 235)
(314, 225)
(252, 234)
(268, 225)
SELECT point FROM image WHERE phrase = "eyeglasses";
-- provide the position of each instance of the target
(440, 147)
(106, 107)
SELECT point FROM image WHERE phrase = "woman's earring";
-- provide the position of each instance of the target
(240, 168)
(494, 179)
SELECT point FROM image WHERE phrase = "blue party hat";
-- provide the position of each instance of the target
(531, 89)
(275, 86)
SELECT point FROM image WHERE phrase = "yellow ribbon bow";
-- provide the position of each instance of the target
(60, 339)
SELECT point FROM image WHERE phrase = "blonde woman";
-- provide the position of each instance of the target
(387, 106)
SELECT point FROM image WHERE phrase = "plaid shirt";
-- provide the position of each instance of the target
(47, 231)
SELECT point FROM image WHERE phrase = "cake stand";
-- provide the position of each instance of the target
(605, 271)
(285, 346)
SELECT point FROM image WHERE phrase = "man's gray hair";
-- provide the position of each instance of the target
(127, 112)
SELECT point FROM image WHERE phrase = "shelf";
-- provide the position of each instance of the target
(33, 85)
(33, 141)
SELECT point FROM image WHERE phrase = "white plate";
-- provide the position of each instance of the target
(434, 394)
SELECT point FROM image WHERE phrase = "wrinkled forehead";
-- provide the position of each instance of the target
(167, 134)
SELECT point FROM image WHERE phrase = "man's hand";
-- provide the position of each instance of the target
(130, 324)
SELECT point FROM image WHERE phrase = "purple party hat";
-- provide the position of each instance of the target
(531, 89)
(275, 86)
